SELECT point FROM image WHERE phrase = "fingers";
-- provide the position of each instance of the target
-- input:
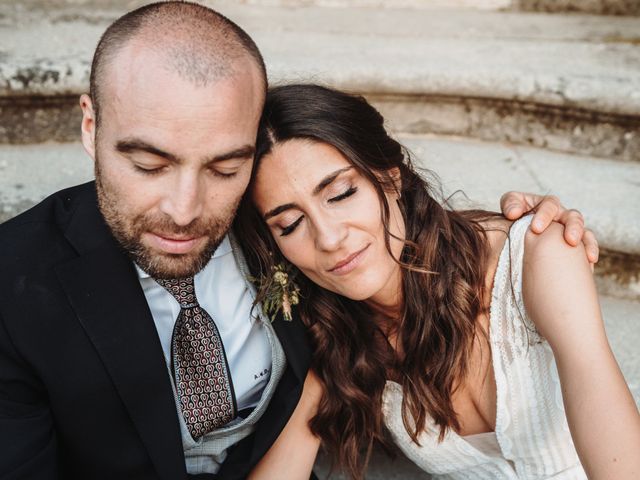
(513, 205)
(591, 246)
(548, 210)
(573, 222)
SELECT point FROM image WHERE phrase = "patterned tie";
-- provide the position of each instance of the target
(202, 377)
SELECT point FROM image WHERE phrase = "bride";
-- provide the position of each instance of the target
(473, 344)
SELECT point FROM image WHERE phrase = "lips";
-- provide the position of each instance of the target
(177, 245)
(349, 263)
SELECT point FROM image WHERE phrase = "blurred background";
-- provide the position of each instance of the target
(493, 95)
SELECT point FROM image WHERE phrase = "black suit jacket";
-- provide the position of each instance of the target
(84, 389)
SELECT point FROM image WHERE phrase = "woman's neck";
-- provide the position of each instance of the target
(389, 301)
(388, 305)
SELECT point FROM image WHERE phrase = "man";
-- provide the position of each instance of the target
(128, 343)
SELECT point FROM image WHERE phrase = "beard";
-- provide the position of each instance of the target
(128, 228)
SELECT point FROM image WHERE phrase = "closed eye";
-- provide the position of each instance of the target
(344, 195)
(218, 173)
(287, 230)
(147, 170)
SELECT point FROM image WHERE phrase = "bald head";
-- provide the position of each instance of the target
(194, 42)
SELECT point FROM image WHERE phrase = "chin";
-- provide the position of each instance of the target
(163, 265)
(359, 293)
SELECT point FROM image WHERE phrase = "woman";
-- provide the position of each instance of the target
(465, 337)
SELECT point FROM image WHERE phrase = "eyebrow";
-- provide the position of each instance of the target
(324, 183)
(131, 145)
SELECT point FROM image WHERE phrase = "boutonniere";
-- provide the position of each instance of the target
(282, 292)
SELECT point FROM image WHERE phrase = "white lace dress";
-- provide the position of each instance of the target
(531, 439)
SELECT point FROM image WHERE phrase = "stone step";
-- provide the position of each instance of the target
(606, 191)
(597, 7)
(563, 82)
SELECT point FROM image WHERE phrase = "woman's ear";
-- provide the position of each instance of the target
(396, 177)
(391, 181)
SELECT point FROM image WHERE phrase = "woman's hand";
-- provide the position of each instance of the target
(293, 454)
(548, 209)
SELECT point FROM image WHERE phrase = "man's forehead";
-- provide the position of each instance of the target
(144, 77)
(160, 60)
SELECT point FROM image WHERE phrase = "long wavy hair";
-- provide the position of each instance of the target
(444, 263)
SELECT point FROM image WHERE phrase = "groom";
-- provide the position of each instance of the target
(109, 366)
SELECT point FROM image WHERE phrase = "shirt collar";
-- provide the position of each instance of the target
(223, 249)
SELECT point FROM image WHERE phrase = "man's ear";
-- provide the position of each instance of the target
(88, 125)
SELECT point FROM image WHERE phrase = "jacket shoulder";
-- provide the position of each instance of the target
(39, 232)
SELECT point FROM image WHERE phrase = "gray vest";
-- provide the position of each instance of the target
(206, 454)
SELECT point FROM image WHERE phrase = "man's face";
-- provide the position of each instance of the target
(172, 159)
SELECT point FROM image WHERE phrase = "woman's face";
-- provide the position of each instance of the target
(326, 219)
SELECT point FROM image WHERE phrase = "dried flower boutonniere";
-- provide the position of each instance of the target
(282, 292)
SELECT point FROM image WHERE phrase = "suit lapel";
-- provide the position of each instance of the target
(293, 338)
(104, 291)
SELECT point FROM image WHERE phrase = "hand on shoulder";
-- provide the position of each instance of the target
(558, 287)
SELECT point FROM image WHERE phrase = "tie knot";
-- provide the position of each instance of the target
(182, 289)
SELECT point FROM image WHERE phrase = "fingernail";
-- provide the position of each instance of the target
(538, 224)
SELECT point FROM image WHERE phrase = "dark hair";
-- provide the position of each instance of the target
(443, 276)
(211, 41)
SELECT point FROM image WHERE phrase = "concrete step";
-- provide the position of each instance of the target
(597, 7)
(563, 82)
(606, 191)
(622, 322)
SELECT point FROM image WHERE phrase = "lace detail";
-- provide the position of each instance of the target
(531, 426)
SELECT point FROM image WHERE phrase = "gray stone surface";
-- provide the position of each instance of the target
(562, 60)
(413, 4)
(622, 322)
(567, 83)
(599, 7)
(39, 119)
(555, 128)
(30, 173)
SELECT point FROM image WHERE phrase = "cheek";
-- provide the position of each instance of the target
(224, 194)
(132, 196)
(300, 254)
(294, 252)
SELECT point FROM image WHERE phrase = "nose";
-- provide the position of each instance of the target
(329, 234)
(184, 202)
